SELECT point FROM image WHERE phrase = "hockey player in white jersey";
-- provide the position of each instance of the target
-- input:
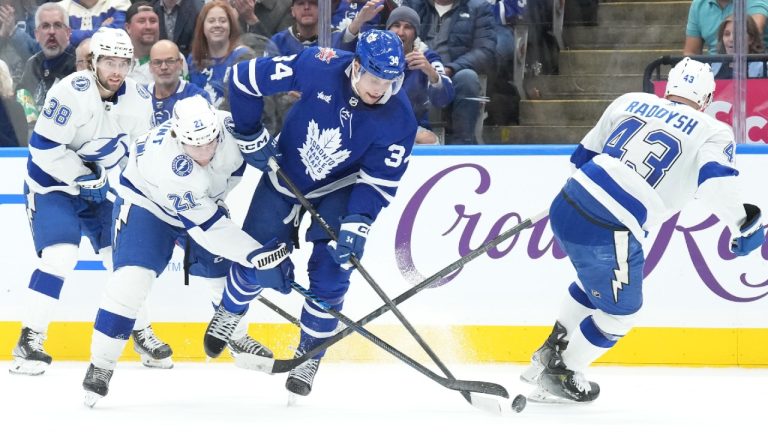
(172, 191)
(643, 161)
(84, 130)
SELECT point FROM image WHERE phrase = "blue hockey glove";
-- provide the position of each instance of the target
(752, 232)
(352, 235)
(93, 186)
(258, 148)
(272, 267)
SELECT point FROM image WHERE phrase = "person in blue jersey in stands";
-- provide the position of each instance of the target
(345, 144)
(168, 87)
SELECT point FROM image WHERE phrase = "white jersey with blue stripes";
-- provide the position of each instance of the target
(163, 179)
(77, 127)
(648, 156)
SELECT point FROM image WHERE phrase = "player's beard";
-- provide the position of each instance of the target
(110, 84)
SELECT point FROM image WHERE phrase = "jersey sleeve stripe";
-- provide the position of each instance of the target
(713, 170)
(239, 172)
(240, 85)
(582, 155)
(39, 176)
(599, 176)
(205, 226)
(378, 180)
(42, 143)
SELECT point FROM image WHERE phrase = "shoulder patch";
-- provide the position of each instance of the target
(326, 55)
(182, 165)
(142, 91)
(229, 124)
(81, 83)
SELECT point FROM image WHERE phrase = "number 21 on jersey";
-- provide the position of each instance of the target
(650, 154)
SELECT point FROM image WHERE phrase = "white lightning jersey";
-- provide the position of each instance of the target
(647, 157)
(163, 179)
(76, 127)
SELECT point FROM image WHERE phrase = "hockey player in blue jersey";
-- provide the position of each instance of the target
(643, 161)
(345, 144)
(172, 191)
(83, 131)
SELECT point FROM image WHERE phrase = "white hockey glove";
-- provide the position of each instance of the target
(258, 148)
(93, 186)
(752, 232)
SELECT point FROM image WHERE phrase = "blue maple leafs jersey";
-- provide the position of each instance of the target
(76, 127)
(330, 138)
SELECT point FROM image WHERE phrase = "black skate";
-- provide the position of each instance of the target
(539, 360)
(219, 331)
(29, 357)
(96, 384)
(154, 352)
(559, 384)
(300, 378)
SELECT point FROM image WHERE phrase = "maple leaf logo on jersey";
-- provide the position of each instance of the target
(321, 151)
(326, 55)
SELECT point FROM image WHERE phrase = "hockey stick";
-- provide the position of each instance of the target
(285, 365)
(278, 310)
(363, 272)
(450, 382)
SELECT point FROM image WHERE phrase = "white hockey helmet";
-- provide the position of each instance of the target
(692, 80)
(194, 122)
(110, 42)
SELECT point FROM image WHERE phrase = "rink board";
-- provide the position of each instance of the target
(701, 306)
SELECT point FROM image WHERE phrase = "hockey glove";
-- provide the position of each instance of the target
(272, 267)
(93, 186)
(258, 148)
(352, 235)
(752, 232)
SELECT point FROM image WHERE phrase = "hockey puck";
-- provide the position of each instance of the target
(518, 403)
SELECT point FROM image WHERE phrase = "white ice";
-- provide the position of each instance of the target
(377, 397)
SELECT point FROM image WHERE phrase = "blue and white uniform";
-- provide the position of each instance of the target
(84, 21)
(164, 107)
(166, 198)
(345, 156)
(76, 127)
(645, 159)
(214, 77)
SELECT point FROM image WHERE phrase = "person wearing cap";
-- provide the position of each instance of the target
(462, 32)
(142, 25)
(85, 127)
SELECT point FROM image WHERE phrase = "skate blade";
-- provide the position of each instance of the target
(544, 397)
(91, 398)
(166, 363)
(27, 367)
(531, 374)
(254, 362)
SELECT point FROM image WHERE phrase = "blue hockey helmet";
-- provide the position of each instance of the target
(381, 53)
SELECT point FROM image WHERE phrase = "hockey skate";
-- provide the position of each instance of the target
(250, 354)
(558, 384)
(96, 384)
(219, 331)
(300, 378)
(154, 352)
(553, 344)
(29, 357)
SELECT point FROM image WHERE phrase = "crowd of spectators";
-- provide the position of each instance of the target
(462, 49)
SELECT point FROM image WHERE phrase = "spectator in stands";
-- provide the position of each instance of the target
(177, 21)
(142, 25)
(303, 32)
(86, 16)
(345, 11)
(725, 45)
(262, 46)
(81, 54)
(263, 17)
(705, 16)
(19, 31)
(168, 86)
(13, 124)
(215, 49)
(425, 81)
(462, 33)
(55, 60)
(10, 51)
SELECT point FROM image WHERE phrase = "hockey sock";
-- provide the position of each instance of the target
(316, 326)
(44, 291)
(595, 335)
(575, 307)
